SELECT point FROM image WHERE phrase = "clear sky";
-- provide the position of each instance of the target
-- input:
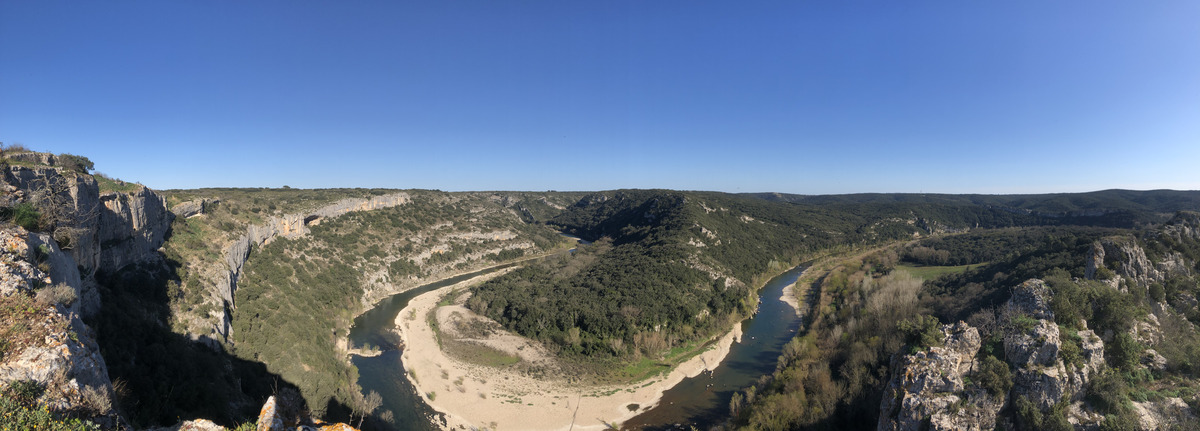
(804, 96)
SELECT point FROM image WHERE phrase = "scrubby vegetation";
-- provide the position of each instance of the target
(831, 375)
(20, 411)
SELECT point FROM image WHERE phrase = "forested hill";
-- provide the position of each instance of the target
(1113, 208)
(682, 266)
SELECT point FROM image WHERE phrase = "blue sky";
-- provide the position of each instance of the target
(806, 97)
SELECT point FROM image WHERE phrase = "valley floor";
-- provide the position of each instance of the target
(502, 397)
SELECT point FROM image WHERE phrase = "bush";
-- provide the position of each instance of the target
(24, 392)
(1157, 292)
(20, 417)
(76, 163)
(1123, 352)
(994, 376)
(26, 216)
(921, 332)
(57, 294)
(1108, 392)
(1071, 350)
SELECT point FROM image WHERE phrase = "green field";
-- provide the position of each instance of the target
(932, 272)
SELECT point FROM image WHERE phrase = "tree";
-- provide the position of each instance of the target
(75, 163)
(51, 196)
(364, 405)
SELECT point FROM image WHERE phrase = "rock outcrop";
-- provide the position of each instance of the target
(1124, 257)
(1033, 345)
(1169, 413)
(928, 390)
(102, 232)
(132, 226)
(57, 350)
(193, 207)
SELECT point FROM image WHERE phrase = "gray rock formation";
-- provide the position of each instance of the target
(1166, 414)
(131, 227)
(102, 233)
(927, 390)
(1126, 258)
(66, 361)
(193, 207)
(1033, 345)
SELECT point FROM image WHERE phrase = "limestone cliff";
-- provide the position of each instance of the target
(287, 226)
(56, 350)
(102, 232)
(131, 226)
(98, 233)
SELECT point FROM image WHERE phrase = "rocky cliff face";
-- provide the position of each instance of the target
(1125, 258)
(98, 233)
(103, 233)
(130, 227)
(55, 349)
(287, 226)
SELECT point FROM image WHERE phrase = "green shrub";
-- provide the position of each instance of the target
(1123, 352)
(24, 392)
(1030, 417)
(26, 216)
(994, 376)
(76, 163)
(1157, 292)
(18, 416)
(1071, 350)
(921, 332)
(1108, 392)
(1023, 323)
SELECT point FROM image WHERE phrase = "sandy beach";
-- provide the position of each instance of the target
(789, 292)
(501, 398)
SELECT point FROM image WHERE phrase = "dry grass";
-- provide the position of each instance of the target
(56, 294)
(23, 323)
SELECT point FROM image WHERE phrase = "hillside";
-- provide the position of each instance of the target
(1053, 328)
(203, 303)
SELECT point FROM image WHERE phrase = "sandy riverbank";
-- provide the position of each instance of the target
(789, 292)
(504, 399)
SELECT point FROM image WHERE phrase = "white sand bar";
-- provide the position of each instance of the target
(501, 398)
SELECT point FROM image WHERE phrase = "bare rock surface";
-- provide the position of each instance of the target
(929, 385)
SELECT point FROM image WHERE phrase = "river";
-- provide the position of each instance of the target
(702, 400)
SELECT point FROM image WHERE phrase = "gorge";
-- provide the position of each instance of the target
(189, 304)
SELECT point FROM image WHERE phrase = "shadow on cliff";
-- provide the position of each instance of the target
(160, 376)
